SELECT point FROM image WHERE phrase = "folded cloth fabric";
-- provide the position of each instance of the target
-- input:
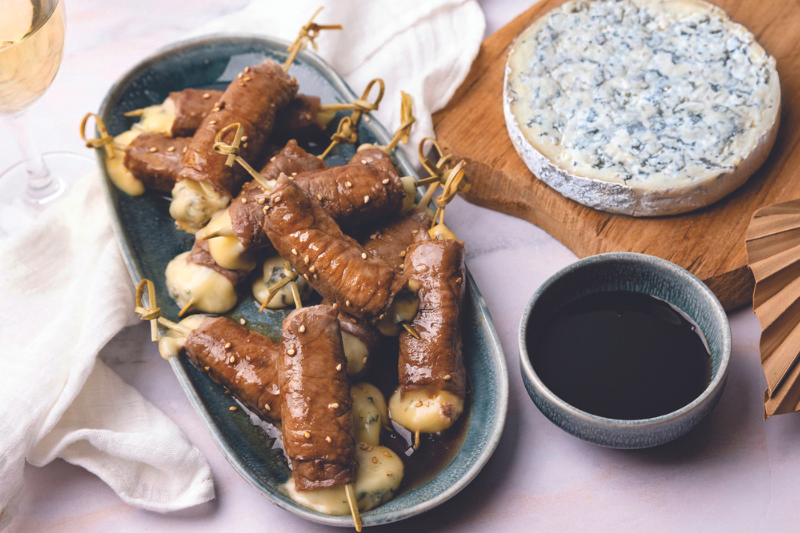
(423, 48)
(65, 294)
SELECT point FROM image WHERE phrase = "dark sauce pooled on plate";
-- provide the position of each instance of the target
(621, 354)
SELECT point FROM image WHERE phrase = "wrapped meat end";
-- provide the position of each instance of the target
(368, 154)
(200, 255)
(202, 164)
(316, 407)
(333, 263)
(253, 103)
(155, 159)
(298, 120)
(248, 367)
(435, 361)
(191, 107)
(291, 160)
(391, 241)
(355, 194)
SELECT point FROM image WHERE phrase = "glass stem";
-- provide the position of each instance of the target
(40, 184)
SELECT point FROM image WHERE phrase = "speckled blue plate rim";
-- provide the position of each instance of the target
(380, 132)
(611, 423)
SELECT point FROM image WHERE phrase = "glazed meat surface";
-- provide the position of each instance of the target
(333, 263)
(158, 169)
(391, 241)
(435, 361)
(248, 367)
(291, 160)
(191, 107)
(316, 408)
(298, 120)
(251, 100)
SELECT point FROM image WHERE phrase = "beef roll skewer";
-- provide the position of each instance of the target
(206, 183)
(431, 370)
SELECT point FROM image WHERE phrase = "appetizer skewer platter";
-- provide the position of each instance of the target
(310, 299)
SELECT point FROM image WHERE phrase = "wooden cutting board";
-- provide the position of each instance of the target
(709, 242)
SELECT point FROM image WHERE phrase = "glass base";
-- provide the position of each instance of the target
(21, 204)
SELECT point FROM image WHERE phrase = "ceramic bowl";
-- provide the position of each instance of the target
(148, 240)
(629, 272)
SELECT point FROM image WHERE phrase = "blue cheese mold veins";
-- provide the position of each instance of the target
(643, 107)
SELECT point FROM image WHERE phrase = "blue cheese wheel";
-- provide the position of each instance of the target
(641, 107)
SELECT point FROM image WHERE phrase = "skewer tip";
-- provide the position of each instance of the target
(351, 501)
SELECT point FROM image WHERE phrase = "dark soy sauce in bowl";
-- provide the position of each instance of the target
(622, 355)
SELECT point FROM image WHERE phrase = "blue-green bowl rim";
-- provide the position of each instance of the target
(612, 424)
(380, 132)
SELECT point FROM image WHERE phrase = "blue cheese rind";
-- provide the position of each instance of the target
(641, 107)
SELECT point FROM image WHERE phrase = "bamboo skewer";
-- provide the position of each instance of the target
(308, 33)
(152, 312)
(351, 501)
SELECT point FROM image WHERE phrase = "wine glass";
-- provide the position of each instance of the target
(31, 47)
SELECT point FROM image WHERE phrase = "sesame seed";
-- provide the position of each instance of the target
(386, 181)
(306, 260)
(312, 268)
(273, 158)
(367, 119)
(266, 208)
(247, 69)
(403, 253)
(294, 251)
(373, 236)
(227, 346)
(418, 404)
(328, 439)
(363, 161)
(306, 434)
(215, 109)
(243, 200)
(364, 361)
(241, 85)
(301, 329)
(374, 460)
(319, 197)
(348, 183)
(212, 122)
(447, 377)
(244, 145)
(240, 75)
(387, 454)
(277, 198)
(206, 368)
(247, 78)
(290, 351)
(184, 149)
(233, 407)
(366, 199)
(347, 303)
(206, 96)
(244, 138)
(305, 277)
(153, 149)
(458, 280)
(382, 315)
(294, 173)
(354, 321)
(333, 405)
(171, 149)
(389, 474)
(414, 231)
(267, 407)
(261, 200)
(339, 366)
(242, 321)
(363, 446)
(232, 359)
(315, 276)
(363, 255)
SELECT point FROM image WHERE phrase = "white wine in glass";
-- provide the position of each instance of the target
(31, 48)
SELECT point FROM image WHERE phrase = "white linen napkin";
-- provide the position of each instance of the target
(424, 48)
(65, 293)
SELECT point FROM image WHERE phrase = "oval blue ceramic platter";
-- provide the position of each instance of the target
(148, 241)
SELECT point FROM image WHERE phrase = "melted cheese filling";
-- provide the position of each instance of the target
(378, 478)
(369, 413)
(644, 92)
(272, 272)
(193, 204)
(403, 309)
(420, 411)
(172, 342)
(119, 175)
(158, 118)
(207, 290)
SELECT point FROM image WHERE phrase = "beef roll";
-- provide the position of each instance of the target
(391, 241)
(431, 368)
(334, 264)
(155, 159)
(316, 407)
(244, 361)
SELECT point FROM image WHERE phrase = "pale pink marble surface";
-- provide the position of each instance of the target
(735, 472)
